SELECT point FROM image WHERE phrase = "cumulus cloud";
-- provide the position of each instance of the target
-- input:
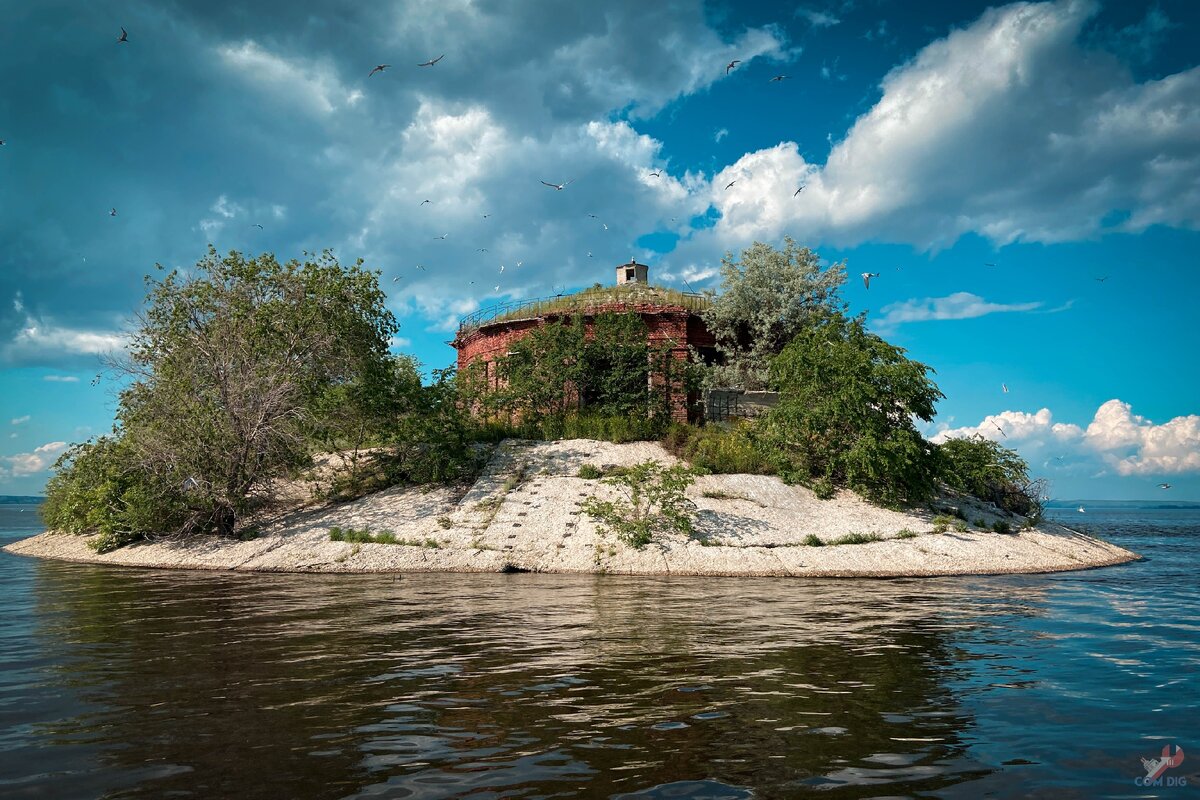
(20, 420)
(31, 463)
(310, 84)
(1125, 442)
(60, 378)
(816, 17)
(1009, 128)
(960, 305)
(41, 341)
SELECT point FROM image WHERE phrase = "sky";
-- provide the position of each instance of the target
(1024, 178)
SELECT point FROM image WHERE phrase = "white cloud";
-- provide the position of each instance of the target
(42, 341)
(60, 378)
(21, 420)
(1123, 441)
(310, 84)
(720, 134)
(960, 305)
(38, 461)
(1009, 128)
(817, 17)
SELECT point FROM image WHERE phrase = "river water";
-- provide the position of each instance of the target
(122, 683)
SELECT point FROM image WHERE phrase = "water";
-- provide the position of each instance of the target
(125, 683)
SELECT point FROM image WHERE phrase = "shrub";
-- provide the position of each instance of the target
(823, 488)
(653, 502)
(906, 534)
(858, 538)
(445, 522)
(945, 522)
(1000, 526)
(988, 470)
(590, 472)
(812, 540)
(718, 450)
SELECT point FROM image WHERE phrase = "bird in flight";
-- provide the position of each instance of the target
(123, 38)
(257, 225)
(778, 78)
(423, 202)
(1164, 486)
(432, 61)
(112, 213)
(395, 279)
(866, 276)
(485, 216)
(589, 253)
(1102, 280)
(1, 143)
(443, 236)
(379, 68)
(1002, 433)
(558, 186)
(656, 174)
(421, 267)
(481, 250)
(988, 264)
(1004, 386)
(501, 269)
(732, 64)
(605, 224)
(731, 183)
(798, 191)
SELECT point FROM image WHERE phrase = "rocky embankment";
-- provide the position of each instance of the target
(523, 514)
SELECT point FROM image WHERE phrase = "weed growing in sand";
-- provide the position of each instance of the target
(653, 501)
(906, 534)
(1000, 526)
(812, 540)
(858, 538)
(445, 522)
(590, 472)
(719, 495)
(945, 522)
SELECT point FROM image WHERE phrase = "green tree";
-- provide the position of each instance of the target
(227, 372)
(845, 417)
(992, 472)
(767, 298)
(653, 500)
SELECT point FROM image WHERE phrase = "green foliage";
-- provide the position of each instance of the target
(719, 450)
(100, 487)
(653, 502)
(577, 425)
(812, 540)
(845, 416)
(358, 536)
(445, 522)
(590, 472)
(857, 538)
(945, 522)
(991, 472)
(1001, 526)
(767, 298)
(906, 534)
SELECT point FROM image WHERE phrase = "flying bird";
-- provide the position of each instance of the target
(123, 38)
(501, 269)
(432, 61)
(731, 183)
(589, 253)
(1080, 510)
(1164, 486)
(443, 236)
(1102, 280)
(378, 68)
(558, 186)
(997, 427)
(1, 143)
(257, 225)
(423, 202)
(798, 191)
(112, 213)
(732, 64)
(421, 267)
(778, 78)
(1004, 386)
(866, 276)
(481, 250)
(593, 216)
(656, 174)
(519, 263)
(605, 225)
(988, 264)
(485, 216)
(395, 279)
(497, 288)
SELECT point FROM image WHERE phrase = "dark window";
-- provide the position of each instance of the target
(629, 275)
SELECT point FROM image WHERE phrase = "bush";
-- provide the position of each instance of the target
(858, 538)
(945, 522)
(812, 540)
(848, 401)
(590, 472)
(906, 534)
(654, 502)
(718, 450)
(988, 470)
(1000, 526)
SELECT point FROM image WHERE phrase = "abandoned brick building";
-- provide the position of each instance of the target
(671, 317)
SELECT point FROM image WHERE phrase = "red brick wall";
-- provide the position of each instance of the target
(672, 326)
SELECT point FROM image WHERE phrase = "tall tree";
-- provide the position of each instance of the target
(767, 297)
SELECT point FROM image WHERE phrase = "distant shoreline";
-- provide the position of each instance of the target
(746, 525)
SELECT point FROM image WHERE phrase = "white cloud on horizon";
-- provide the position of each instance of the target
(42, 341)
(1122, 441)
(60, 378)
(39, 460)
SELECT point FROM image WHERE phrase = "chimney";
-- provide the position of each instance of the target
(632, 272)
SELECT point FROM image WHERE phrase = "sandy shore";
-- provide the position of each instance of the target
(746, 525)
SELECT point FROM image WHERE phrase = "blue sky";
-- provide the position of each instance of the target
(1058, 141)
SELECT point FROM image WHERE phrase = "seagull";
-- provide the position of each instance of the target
(732, 64)
(866, 276)
(432, 61)
(1164, 486)
(731, 183)
(497, 288)
(558, 186)
(656, 174)
(501, 269)
(519, 263)
(589, 253)
(1004, 386)
(379, 68)
(1080, 510)
(988, 264)
(421, 267)
(423, 202)
(1, 143)
(481, 250)
(1102, 280)
(605, 225)
(112, 213)
(997, 427)
(443, 236)
(395, 279)
(123, 38)
(593, 216)
(256, 225)
(798, 191)
(778, 78)
(485, 216)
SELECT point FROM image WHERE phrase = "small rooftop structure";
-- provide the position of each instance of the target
(632, 272)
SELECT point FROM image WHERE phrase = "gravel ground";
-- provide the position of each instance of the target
(523, 513)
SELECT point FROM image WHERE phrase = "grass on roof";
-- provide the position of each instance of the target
(602, 295)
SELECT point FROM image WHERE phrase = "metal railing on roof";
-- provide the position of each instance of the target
(578, 302)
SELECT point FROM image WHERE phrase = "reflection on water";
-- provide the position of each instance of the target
(126, 683)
